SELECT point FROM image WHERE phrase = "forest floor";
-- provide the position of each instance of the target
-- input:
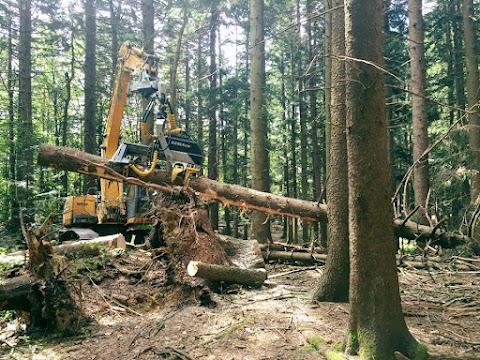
(135, 316)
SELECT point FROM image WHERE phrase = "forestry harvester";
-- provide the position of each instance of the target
(118, 207)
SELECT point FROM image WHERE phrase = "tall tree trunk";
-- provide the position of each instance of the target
(421, 182)
(450, 65)
(25, 128)
(115, 14)
(258, 119)
(458, 53)
(68, 96)
(199, 75)
(235, 119)
(148, 28)
(212, 105)
(293, 141)
(334, 284)
(188, 97)
(246, 124)
(89, 140)
(314, 119)
(223, 122)
(12, 199)
(376, 325)
(328, 80)
(176, 57)
(286, 171)
(471, 57)
(303, 121)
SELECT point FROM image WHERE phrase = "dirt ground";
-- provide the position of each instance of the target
(135, 316)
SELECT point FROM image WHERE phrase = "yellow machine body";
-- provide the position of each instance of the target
(80, 210)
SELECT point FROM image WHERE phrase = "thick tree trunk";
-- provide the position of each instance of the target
(78, 161)
(176, 58)
(212, 105)
(334, 283)
(303, 122)
(421, 182)
(148, 29)
(14, 293)
(25, 138)
(258, 118)
(12, 161)
(90, 127)
(376, 325)
(473, 90)
(295, 256)
(227, 274)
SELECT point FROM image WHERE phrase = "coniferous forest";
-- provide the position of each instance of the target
(328, 206)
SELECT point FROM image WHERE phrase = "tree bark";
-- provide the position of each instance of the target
(421, 181)
(235, 195)
(228, 274)
(302, 120)
(259, 127)
(69, 159)
(14, 293)
(90, 127)
(212, 104)
(471, 57)
(376, 325)
(148, 29)
(12, 160)
(295, 256)
(25, 137)
(334, 283)
(176, 58)
(317, 163)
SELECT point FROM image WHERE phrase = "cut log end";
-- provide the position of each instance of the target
(192, 268)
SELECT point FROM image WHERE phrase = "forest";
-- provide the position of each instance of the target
(299, 179)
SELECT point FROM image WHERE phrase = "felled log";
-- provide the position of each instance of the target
(75, 160)
(114, 241)
(227, 274)
(295, 256)
(14, 293)
(69, 159)
(77, 248)
(289, 247)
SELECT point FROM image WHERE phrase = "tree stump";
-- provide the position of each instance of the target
(53, 309)
(188, 236)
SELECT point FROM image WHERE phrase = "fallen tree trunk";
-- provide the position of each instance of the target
(114, 241)
(227, 274)
(14, 293)
(77, 248)
(75, 160)
(295, 256)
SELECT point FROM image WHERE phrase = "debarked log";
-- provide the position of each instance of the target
(69, 159)
(227, 274)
